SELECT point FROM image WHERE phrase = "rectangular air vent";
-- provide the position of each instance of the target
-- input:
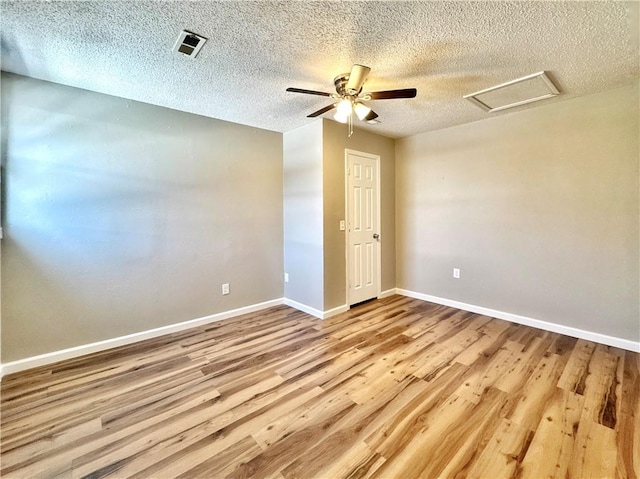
(514, 93)
(189, 43)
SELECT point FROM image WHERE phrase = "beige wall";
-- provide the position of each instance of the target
(314, 204)
(121, 217)
(335, 142)
(302, 202)
(539, 209)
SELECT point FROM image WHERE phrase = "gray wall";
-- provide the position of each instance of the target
(539, 209)
(335, 140)
(302, 200)
(121, 217)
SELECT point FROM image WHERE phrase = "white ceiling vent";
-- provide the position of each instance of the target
(189, 43)
(521, 91)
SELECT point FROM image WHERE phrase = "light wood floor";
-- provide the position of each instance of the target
(395, 388)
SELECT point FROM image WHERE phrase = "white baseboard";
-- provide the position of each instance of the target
(55, 356)
(387, 293)
(70, 353)
(316, 312)
(535, 323)
(304, 308)
(330, 312)
(334, 311)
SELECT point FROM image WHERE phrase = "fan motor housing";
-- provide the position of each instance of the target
(341, 83)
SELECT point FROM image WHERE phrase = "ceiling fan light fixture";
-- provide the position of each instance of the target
(344, 107)
(361, 110)
(341, 118)
(349, 98)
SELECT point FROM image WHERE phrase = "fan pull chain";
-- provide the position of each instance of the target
(350, 125)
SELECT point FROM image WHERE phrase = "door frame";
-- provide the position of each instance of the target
(376, 158)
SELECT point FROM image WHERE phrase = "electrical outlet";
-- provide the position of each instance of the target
(286, 277)
(343, 225)
(456, 273)
(225, 288)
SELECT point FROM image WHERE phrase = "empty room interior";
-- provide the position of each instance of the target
(332, 239)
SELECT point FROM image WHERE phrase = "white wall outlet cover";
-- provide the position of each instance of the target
(225, 288)
(286, 277)
(456, 272)
(343, 225)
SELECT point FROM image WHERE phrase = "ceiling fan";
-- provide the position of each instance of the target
(350, 98)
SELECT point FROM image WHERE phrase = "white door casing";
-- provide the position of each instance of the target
(363, 240)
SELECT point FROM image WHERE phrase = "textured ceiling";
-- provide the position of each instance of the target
(258, 49)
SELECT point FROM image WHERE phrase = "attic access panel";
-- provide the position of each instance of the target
(528, 89)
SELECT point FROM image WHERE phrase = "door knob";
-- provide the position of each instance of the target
(376, 236)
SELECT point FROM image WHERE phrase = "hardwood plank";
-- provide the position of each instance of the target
(288, 443)
(523, 366)
(575, 374)
(223, 463)
(550, 452)
(463, 451)
(322, 408)
(478, 383)
(601, 387)
(392, 388)
(218, 435)
(426, 454)
(172, 437)
(594, 454)
(490, 335)
(407, 412)
(527, 404)
(628, 423)
(343, 437)
(107, 395)
(505, 449)
(432, 363)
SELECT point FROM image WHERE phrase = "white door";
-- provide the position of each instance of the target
(363, 247)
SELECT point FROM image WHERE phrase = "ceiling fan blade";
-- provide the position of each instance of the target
(321, 111)
(357, 78)
(392, 94)
(308, 92)
(371, 116)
